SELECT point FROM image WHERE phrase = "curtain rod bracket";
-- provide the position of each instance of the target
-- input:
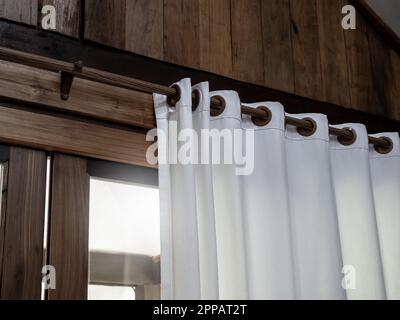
(67, 78)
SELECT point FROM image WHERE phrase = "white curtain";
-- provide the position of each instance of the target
(308, 218)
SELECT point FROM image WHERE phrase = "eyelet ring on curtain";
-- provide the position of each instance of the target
(216, 112)
(307, 132)
(195, 99)
(172, 100)
(262, 122)
(346, 141)
(385, 150)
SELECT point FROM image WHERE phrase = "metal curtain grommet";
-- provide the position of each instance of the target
(262, 121)
(346, 141)
(195, 99)
(222, 104)
(382, 149)
(310, 130)
(173, 99)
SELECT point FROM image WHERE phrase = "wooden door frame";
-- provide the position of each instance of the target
(68, 243)
(22, 225)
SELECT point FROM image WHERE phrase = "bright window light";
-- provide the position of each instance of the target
(124, 218)
(97, 292)
(124, 239)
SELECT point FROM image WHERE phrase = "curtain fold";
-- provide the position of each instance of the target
(228, 204)
(316, 244)
(356, 215)
(179, 235)
(252, 211)
(385, 175)
(266, 211)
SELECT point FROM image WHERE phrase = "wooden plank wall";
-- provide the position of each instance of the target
(29, 12)
(24, 11)
(296, 46)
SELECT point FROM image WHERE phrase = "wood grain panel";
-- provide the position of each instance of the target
(197, 34)
(359, 64)
(216, 37)
(24, 11)
(334, 71)
(105, 22)
(3, 206)
(277, 43)
(306, 49)
(144, 27)
(23, 243)
(69, 228)
(394, 89)
(68, 16)
(59, 134)
(181, 32)
(382, 74)
(86, 98)
(247, 42)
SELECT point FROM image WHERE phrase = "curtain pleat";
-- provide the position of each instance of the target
(305, 217)
(266, 212)
(356, 214)
(229, 211)
(316, 244)
(385, 175)
(179, 218)
(205, 204)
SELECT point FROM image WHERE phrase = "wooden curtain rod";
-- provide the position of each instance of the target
(259, 115)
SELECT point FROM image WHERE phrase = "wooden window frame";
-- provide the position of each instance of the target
(22, 225)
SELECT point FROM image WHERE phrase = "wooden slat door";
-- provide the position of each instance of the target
(23, 222)
(69, 227)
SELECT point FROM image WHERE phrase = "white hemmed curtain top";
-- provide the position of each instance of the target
(313, 220)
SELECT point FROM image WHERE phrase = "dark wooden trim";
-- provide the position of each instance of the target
(377, 23)
(24, 225)
(69, 228)
(132, 65)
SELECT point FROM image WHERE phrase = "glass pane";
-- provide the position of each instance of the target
(124, 239)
